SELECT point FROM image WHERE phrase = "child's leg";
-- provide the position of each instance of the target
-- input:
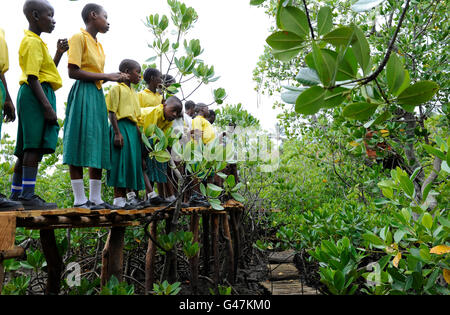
(30, 165)
(16, 187)
(95, 186)
(76, 176)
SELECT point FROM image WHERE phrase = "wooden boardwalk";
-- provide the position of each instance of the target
(284, 278)
(46, 221)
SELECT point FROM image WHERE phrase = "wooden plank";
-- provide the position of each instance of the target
(288, 287)
(14, 252)
(281, 257)
(283, 272)
(7, 231)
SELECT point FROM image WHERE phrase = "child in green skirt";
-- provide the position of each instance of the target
(37, 133)
(86, 130)
(126, 157)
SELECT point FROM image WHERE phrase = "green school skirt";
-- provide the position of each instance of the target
(156, 171)
(126, 162)
(86, 130)
(2, 103)
(33, 132)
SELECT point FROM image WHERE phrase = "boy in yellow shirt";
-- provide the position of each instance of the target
(7, 110)
(124, 114)
(38, 128)
(201, 127)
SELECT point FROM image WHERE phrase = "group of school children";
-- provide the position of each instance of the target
(100, 133)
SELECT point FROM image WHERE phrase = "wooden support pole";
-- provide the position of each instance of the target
(54, 261)
(215, 246)
(150, 257)
(236, 239)
(230, 257)
(7, 231)
(205, 241)
(194, 227)
(112, 256)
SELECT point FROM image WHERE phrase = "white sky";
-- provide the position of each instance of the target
(232, 34)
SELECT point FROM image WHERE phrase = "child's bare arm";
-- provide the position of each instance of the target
(61, 47)
(77, 74)
(118, 138)
(8, 108)
(36, 87)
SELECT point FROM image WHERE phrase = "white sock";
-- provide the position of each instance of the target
(95, 191)
(152, 195)
(78, 192)
(131, 195)
(119, 202)
(171, 198)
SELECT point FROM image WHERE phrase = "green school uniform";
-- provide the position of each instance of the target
(33, 131)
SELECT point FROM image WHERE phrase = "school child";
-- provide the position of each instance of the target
(189, 112)
(150, 98)
(7, 111)
(162, 116)
(37, 132)
(211, 116)
(86, 131)
(201, 127)
(126, 157)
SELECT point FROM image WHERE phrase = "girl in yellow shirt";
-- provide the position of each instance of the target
(124, 114)
(86, 130)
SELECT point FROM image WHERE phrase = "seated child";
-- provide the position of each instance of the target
(126, 157)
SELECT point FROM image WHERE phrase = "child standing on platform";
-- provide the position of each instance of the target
(7, 110)
(126, 156)
(37, 133)
(86, 131)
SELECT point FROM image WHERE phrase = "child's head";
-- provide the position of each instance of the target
(172, 108)
(212, 116)
(189, 108)
(167, 80)
(132, 68)
(202, 110)
(94, 14)
(152, 78)
(39, 14)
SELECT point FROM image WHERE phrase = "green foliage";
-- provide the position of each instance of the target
(235, 115)
(17, 286)
(114, 287)
(165, 288)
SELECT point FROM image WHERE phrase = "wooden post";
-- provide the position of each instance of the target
(150, 257)
(7, 231)
(230, 258)
(236, 239)
(54, 261)
(206, 249)
(112, 256)
(215, 246)
(194, 260)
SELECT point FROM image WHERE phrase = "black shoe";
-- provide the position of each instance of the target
(9, 205)
(132, 204)
(197, 200)
(102, 206)
(37, 203)
(158, 200)
(86, 205)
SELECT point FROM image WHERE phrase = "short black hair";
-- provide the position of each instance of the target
(128, 64)
(35, 5)
(189, 105)
(176, 100)
(212, 113)
(88, 8)
(167, 79)
(150, 73)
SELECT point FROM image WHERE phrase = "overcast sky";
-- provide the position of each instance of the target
(231, 32)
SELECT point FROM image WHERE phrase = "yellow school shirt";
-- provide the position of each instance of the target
(4, 58)
(149, 99)
(35, 59)
(155, 116)
(123, 101)
(86, 53)
(202, 124)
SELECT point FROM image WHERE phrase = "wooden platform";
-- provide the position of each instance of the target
(112, 257)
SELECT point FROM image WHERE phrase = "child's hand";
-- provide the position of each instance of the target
(118, 77)
(50, 116)
(62, 46)
(9, 111)
(118, 140)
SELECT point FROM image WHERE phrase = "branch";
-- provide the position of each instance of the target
(432, 203)
(309, 20)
